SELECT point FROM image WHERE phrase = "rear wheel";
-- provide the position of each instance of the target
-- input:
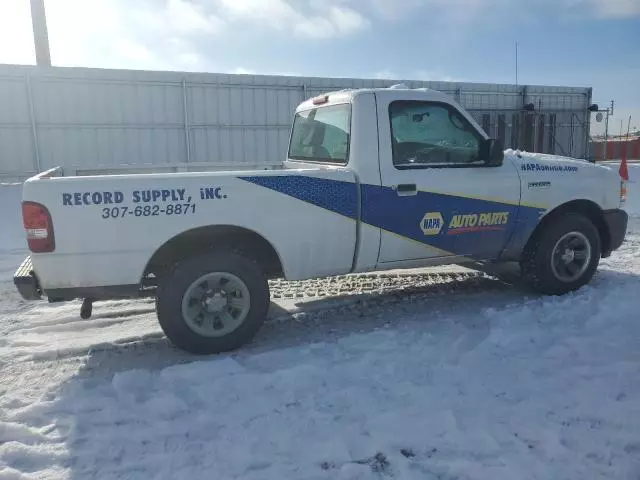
(563, 256)
(213, 303)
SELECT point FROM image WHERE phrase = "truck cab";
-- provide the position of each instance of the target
(434, 188)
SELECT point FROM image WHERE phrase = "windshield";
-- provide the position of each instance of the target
(321, 134)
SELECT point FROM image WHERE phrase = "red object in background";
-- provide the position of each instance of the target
(635, 148)
(609, 150)
(624, 169)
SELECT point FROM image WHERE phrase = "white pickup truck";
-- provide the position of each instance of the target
(375, 179)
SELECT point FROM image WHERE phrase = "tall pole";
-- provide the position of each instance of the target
(40, 34)
(606, 129)
(606, 135)
(626, 140)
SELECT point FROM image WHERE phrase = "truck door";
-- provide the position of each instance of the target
(437, 198)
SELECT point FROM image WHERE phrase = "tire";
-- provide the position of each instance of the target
(184, 293)
(545, 264)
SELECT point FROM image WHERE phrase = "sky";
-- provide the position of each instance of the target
(593, 43)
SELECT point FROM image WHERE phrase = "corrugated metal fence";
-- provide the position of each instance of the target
(89, 120)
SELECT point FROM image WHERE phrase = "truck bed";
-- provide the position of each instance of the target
(108, 227)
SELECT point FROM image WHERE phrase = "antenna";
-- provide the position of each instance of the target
(516, 64)
(606, 129)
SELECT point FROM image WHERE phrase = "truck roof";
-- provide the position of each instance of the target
(347, 95)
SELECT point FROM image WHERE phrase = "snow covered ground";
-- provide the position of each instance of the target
(425, 377)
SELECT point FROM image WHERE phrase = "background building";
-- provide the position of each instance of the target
(93, 120)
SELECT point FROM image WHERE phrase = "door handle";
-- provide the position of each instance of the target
(406, 189)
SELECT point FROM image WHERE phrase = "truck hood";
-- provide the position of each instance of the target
(540, 162)
(568, 178)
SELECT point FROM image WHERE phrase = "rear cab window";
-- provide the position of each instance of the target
(322, 134)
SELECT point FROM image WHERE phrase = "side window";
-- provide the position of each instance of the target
(431, 134)
(321, 134)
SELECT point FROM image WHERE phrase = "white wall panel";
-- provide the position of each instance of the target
(90, 118)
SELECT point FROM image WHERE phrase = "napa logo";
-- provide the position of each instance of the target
(431, 223)
(478, 222)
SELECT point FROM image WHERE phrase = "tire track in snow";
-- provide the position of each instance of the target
(362, 284)
(124, 324)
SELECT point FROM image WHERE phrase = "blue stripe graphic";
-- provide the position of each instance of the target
(339, 197)
(383, 208)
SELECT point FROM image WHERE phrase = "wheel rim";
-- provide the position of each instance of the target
(216, 304)
(571, 256)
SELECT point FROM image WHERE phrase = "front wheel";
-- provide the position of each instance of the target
(213, 302)
(563, 256)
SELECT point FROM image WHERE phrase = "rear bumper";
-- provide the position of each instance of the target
(26, 281)
(616, 221)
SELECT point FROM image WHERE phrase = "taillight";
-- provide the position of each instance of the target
(37, 222)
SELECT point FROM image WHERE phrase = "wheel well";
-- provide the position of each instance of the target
(585, 207)
(204, 239)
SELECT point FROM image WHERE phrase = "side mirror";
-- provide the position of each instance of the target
(492, 151)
